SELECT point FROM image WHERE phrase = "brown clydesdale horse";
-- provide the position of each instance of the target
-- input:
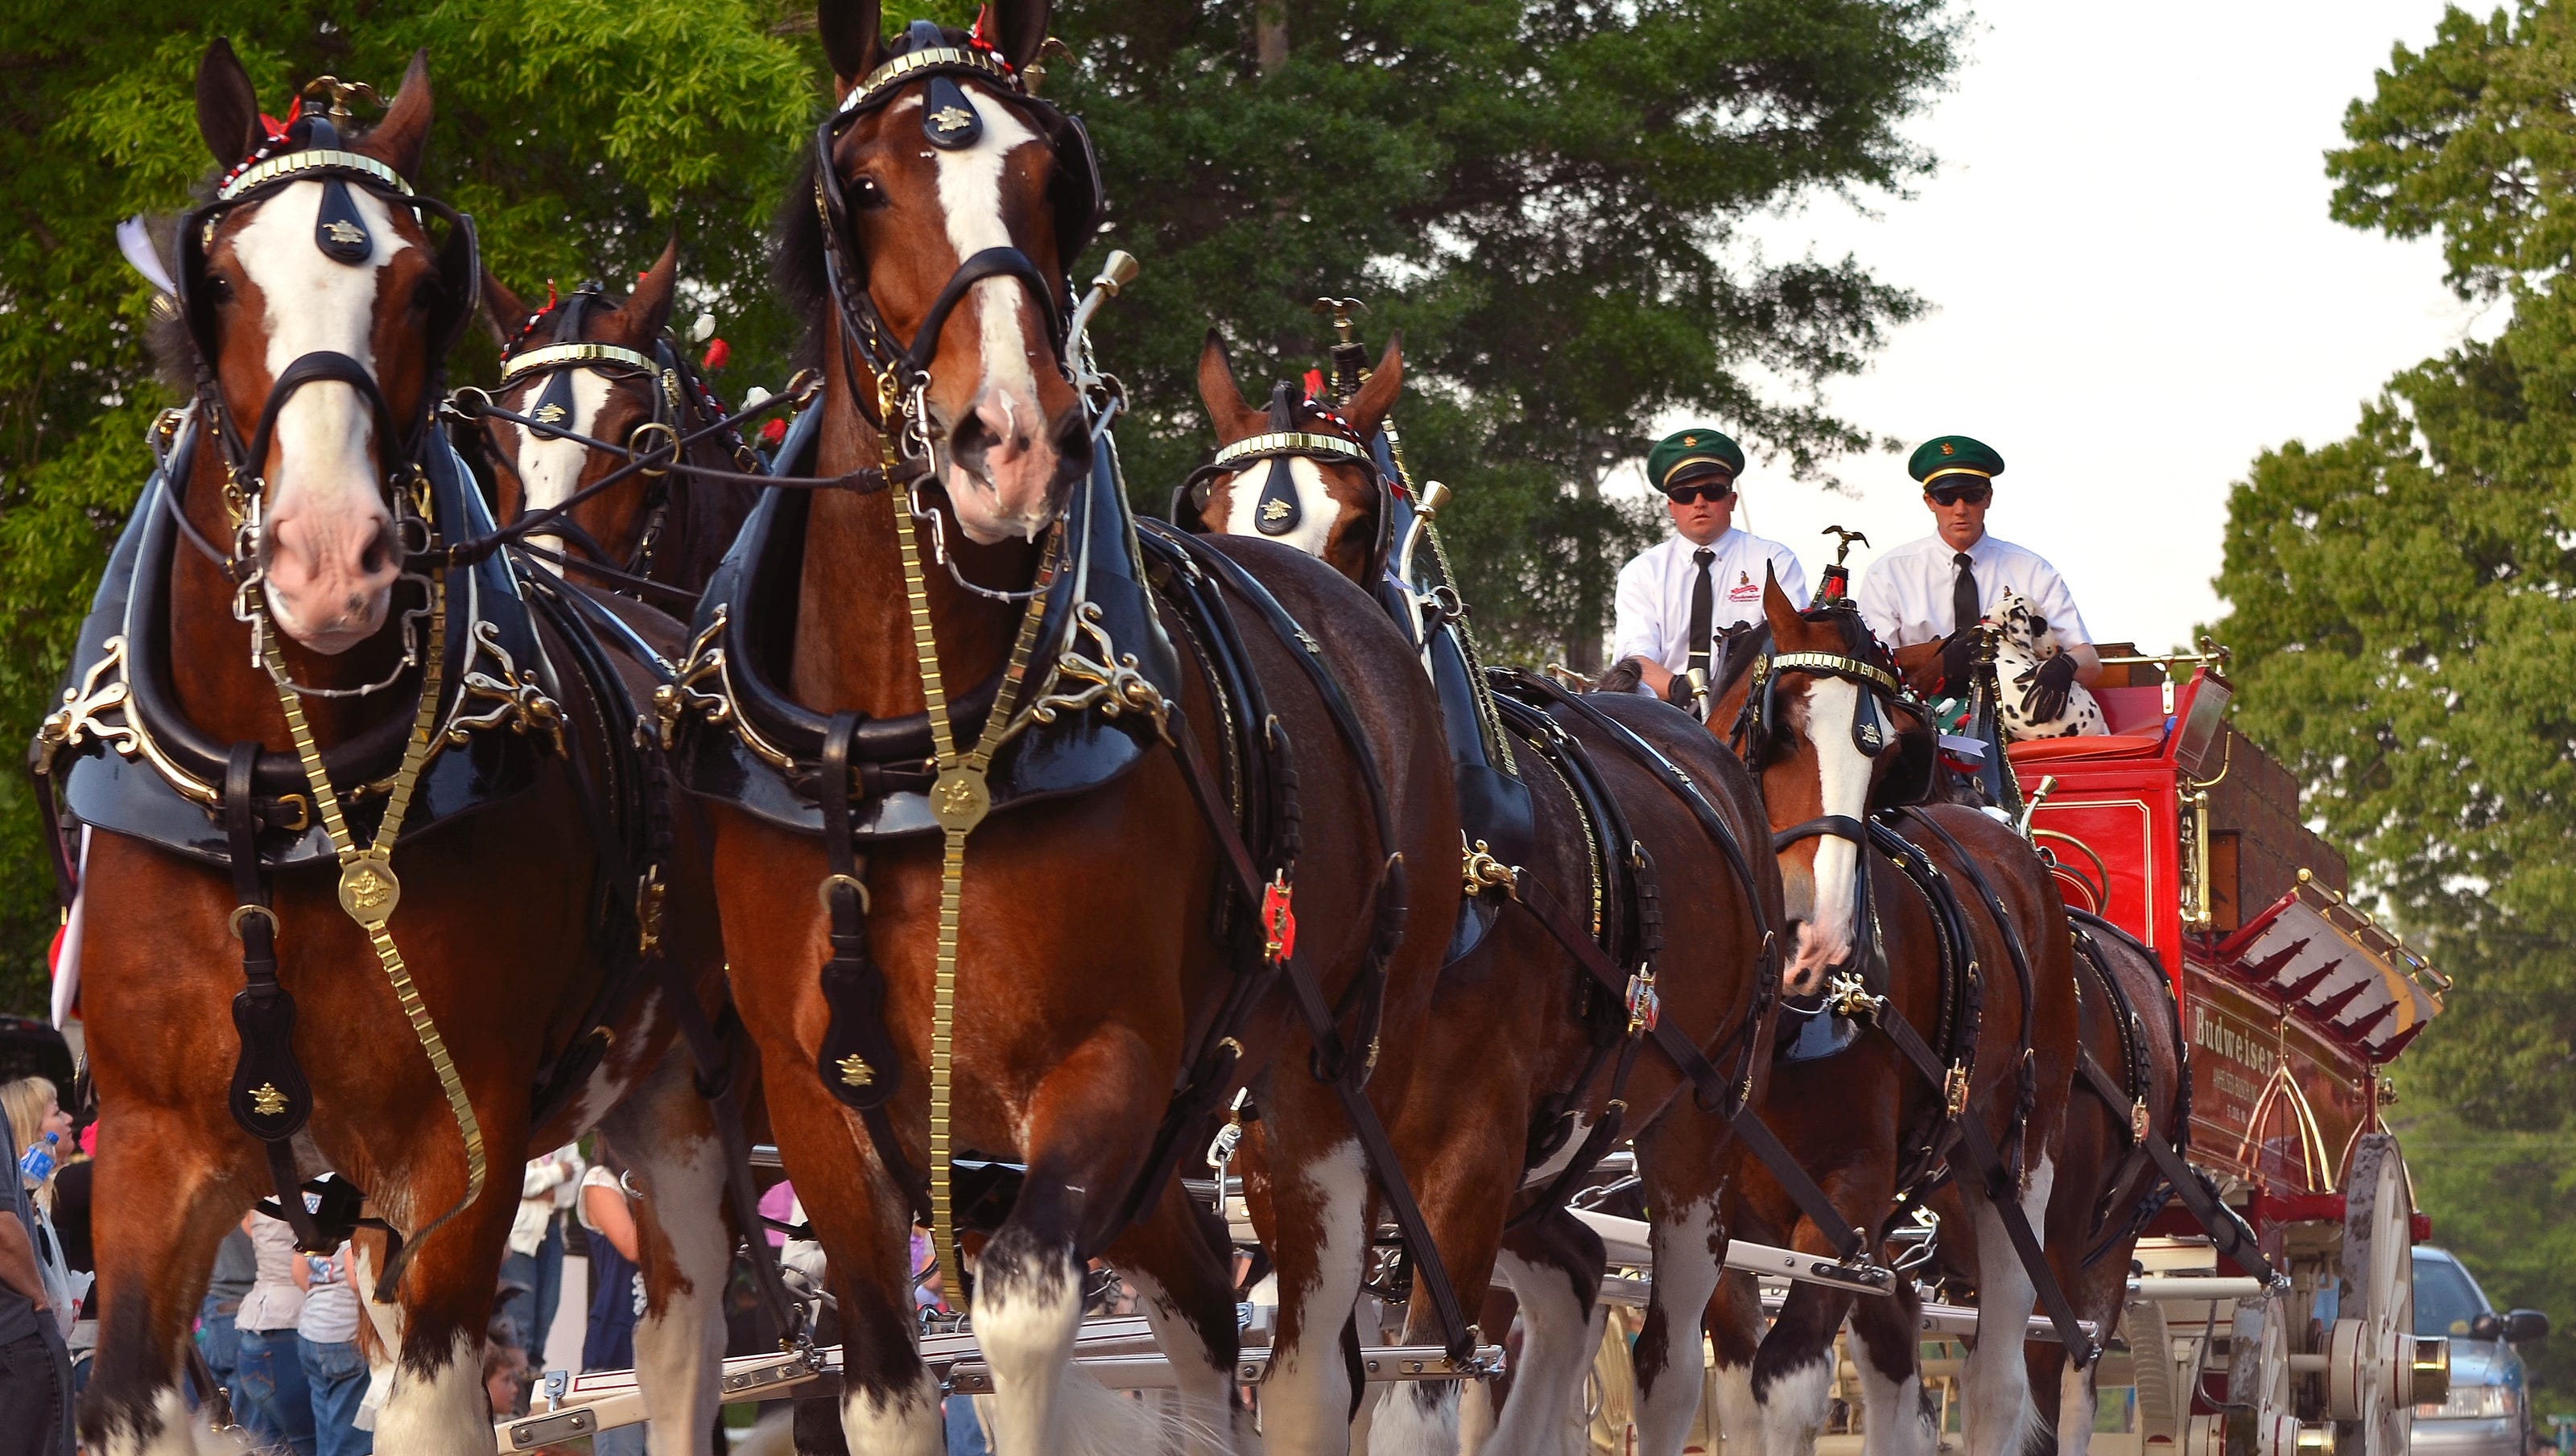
(631, 386)
(1865, 1120)
(1518, 1054)
(1089, 946)
(497, 916)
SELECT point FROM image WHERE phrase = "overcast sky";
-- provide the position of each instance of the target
(2134, 285)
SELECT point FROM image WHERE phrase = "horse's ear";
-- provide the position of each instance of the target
(227, 105)
(1370, 406)
(1222, 396)
(648, 308)
(853, 37)
(502, 310)
(1016, 28)
(1776, 606)
(398, 140)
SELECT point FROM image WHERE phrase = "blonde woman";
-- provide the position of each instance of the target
(35, 1368)
(40, 1135)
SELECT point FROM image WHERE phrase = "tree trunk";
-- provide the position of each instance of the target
(1270, 35)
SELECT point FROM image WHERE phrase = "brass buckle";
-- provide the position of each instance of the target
(234, 922)
(1954, 1088)
(823, 893)
(303, 812)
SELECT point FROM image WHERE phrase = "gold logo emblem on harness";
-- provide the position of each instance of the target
(951, 118)
(960, 800)
(855, 1071)
(551, 414)
(1275, 511)
(369, 891)
(344, 231)
(266, 1100)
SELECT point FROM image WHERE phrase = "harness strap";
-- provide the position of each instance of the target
(2027, 1088)
(1714, 1093)
(857, 1060)
(1833, 826)
(270, 1099)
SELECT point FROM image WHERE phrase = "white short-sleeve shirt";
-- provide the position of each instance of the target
(1905, 594)
(1654, 601)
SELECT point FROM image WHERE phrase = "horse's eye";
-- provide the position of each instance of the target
(219, 288)
(864, 192)
(424, 295)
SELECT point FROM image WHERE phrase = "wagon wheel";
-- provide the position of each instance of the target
(2264, 1418)
(2370, 1351)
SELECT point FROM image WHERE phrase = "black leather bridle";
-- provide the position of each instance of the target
(310, 151)
(870, 350)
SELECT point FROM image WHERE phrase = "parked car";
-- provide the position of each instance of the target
(2489, 1412)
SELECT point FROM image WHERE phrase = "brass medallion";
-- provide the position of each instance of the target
(855, 1070)
(368, 890)
(266, 1100)
(959, 800)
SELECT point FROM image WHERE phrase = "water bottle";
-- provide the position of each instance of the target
(37, 1164)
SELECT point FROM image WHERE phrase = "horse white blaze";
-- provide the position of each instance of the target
(1826, 936)
(1316, 508)
(1998, 1413)
(1012, 497)
(550, 468)
(1557, 1341)
(679, 1352)
(1306, 1396)
(441, 1407)
(1687, 1251)
(331, 562)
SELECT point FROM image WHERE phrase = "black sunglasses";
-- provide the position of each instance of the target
(1950, 495)
(1685, 494)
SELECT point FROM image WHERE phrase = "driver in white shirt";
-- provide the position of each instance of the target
(1927, 590)
(1674, 598)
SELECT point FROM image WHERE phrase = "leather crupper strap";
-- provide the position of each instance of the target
(1343, 1064)
(857, 1060)
(1996, 1174)
(270, 1099)
(2229, 1233)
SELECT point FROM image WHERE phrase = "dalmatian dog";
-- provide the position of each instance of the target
(2026, 643)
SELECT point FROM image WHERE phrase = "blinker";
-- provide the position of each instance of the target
(948, 116)
(1279, 511)
(1869, 726)
(338, 230)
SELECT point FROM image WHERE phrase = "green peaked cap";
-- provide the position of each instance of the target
(1690, 452)
(1948, 453)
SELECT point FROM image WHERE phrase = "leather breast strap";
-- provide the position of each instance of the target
(857, 1062)
(269, 1097)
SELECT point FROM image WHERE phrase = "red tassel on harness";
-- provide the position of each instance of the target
(1314, 384)
(717, 356)
(1278, 919)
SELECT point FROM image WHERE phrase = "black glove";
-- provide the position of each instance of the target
(2045, 699)
(1678, 692)
(1959, 662)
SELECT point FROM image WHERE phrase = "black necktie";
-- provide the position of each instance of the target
(1964, 610)
(1703, 610)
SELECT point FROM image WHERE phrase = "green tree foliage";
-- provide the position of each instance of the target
(1544, 196)
(2403, 601)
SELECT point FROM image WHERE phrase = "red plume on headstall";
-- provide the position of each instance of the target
(1314, 384)
(276, 128)
(774, 433)
(718, 355)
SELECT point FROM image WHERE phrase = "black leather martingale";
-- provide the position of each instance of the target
(128, 760)
(761, 750)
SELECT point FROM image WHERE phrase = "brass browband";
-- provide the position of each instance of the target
(1834, 664)
(1287, 442)
(910, 63)
(277, 168)
(567, 356)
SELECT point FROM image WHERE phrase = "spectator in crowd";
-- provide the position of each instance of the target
(616, 1286)
(532, 1270)
(40, 1136)
(35, 1370)
(276, 1403)
(218, 1330)
(71, 1222)
(334, 1370)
